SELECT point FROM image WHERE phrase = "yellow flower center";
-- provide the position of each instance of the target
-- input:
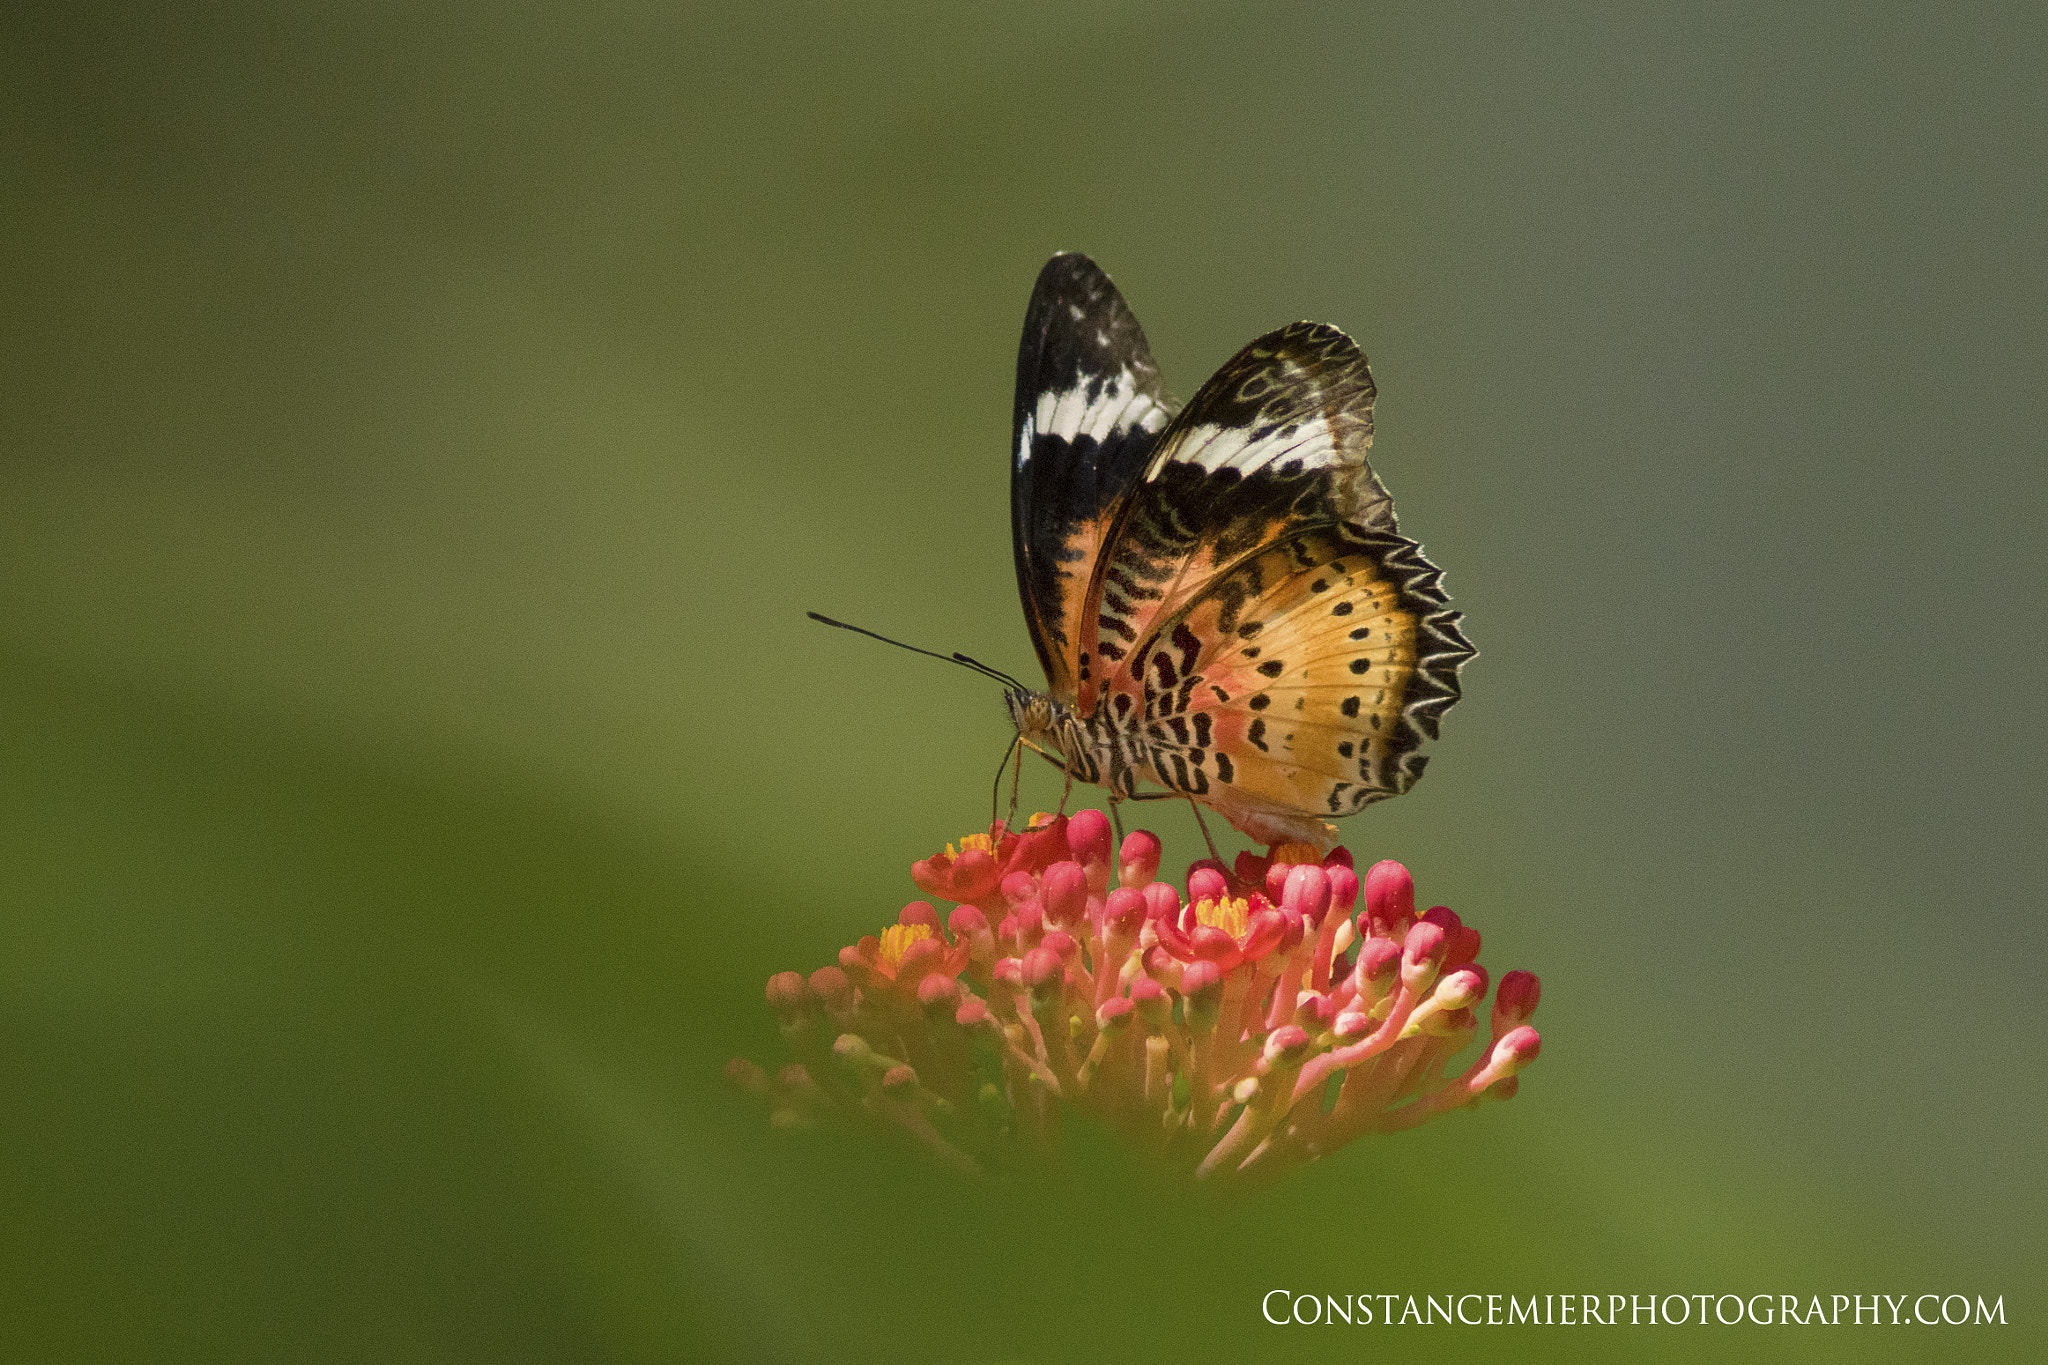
(974, 841)
(896, 940)
(1296, 853)
(1231, 916)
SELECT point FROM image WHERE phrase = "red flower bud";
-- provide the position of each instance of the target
(1161, 901)
(1389, 900)
(1138, 860)
(1063, 890)
(1516, 1000)
(1206, 882)
(1124, 913)
(1088, 838)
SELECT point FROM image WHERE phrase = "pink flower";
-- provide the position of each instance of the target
(1261, 1021)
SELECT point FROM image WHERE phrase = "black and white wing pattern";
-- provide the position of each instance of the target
(1088, 413)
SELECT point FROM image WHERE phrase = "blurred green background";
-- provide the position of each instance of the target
(424, 431)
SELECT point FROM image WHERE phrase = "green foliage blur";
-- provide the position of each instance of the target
(425, 428)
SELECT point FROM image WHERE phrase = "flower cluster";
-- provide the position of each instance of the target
(1252, 1025)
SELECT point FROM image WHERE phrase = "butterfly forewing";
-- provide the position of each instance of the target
(1294, 408)
(1088, 412)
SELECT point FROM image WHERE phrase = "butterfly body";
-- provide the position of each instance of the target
(1219, 594)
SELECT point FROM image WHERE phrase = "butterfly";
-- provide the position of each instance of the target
(1219, 594)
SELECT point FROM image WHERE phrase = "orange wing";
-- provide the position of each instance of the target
(1282, 649)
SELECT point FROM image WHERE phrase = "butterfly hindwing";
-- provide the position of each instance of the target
(1284, 648)
(1088, 412)
(1325, 663)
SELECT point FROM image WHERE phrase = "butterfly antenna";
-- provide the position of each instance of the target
(956, 657)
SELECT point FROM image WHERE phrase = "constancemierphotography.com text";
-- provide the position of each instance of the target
(1288, 1308)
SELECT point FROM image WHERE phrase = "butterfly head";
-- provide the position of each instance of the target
(1039, 719)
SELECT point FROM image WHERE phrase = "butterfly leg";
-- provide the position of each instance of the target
(1205, 830)
(996, 796)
